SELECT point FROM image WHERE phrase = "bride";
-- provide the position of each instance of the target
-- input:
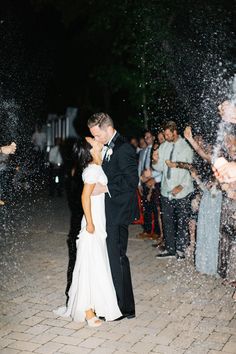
(92, 293)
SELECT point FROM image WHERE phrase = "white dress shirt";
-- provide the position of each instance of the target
(179, 176)
(106, 148)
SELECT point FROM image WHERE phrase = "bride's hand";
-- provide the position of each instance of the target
(90, 228)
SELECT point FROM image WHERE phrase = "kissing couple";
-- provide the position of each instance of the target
(101, 284)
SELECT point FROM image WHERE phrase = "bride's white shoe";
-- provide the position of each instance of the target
(94, 322)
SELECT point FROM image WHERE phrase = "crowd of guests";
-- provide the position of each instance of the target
(188, 197)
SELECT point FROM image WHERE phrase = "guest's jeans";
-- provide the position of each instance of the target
(175, 217)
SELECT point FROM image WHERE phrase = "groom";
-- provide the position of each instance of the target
(120, 166)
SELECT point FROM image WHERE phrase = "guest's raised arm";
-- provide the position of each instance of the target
(188, 136)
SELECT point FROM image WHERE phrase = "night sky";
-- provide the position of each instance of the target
(133, 59)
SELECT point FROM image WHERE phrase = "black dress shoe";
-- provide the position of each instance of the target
(164, 254)
(126, 315)
(180, 256)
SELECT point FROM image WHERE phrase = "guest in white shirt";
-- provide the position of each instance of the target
(176, 190)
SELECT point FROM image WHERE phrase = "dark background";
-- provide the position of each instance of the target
(141, 61)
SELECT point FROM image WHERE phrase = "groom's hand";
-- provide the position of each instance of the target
(90, 228)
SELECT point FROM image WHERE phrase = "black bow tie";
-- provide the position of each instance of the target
(106, 145)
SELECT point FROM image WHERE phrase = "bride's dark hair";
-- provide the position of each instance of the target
(82, 152)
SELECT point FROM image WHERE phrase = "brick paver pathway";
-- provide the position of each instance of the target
(178, 310)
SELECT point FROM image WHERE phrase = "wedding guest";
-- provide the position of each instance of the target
(201, 162)
(134, 142)
(227, 245)
(160, 137)
(153, 182)
(208, 229)
(176, 190)
(142, 143)
(157, 193)
(148, 187)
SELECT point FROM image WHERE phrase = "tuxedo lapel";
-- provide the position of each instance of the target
(113, 146)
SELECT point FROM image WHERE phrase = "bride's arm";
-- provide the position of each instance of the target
(86, 203)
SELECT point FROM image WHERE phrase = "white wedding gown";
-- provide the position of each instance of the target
(92, 286)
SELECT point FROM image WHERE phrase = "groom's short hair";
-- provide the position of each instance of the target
(101, 119)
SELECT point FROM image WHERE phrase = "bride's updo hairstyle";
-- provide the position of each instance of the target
(82, 151)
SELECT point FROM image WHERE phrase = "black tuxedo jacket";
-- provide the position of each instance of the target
(122, 174)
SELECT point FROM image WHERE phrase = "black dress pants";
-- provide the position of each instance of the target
(117, 241)
(175, 217)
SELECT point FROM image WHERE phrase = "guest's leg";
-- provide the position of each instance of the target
(168, 218)
(182, 219)
(147, 211)
(155, 204)
(117, 240)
